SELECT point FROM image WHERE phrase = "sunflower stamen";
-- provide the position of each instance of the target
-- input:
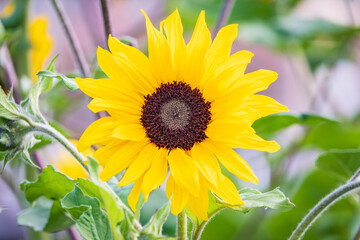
(175, 116)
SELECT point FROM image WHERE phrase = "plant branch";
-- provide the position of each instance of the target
(11, 80)
(106, 18)
(38, 160)
(202, 226)
(357, 234)
(224, 14)
(182, 226)
(70, 34)
(52, 132)
(355, 176)
(73, 233)
(321, 206)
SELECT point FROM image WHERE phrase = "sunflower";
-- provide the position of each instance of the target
(64, 162)
(183, 109)
(41, 45)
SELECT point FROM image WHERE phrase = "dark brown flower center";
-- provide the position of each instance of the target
(175, 116)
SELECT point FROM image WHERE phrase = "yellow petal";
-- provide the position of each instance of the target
(233, 162)
(139, 165)
(196, 50)
(121, 159)
(256, 81)
(114, 68)
(98, 132)
(236, 99)
(254, 142)
(159, 53)
(227, 191)
(174, 32)
(184, 171)
(265, 105)
(134, 195)
(219, 49)
(157, 172)
(226, 74)
(106, 88)
(41, 44)
(206, 162)
(221, 130)
(131, 131)
(103, 154)
(136, 60)
(199, 205)
(116, 107)
(179, 196)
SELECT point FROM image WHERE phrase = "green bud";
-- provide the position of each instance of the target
(6, 142)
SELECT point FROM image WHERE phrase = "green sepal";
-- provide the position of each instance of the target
(155, 224)
(43, 83)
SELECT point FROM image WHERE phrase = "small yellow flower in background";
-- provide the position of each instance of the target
(185, 107)
(64, 162)
(8, 9)
(41, 45)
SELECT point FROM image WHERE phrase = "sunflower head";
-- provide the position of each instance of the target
(178, 113)
(67, 164)
(41, 44)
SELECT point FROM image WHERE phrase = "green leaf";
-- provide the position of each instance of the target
(69, 82)
(58, 220)
(252, 198)
(139, 205)
(8, 108)
(127, 228)
(50, 184)
(90, 220)
(109, 202)
(37, 216)
(25, 156)
(55, 185)
(342, 163)
(93, 169)
(274, 199)
(43, 83)
(267, 126)
(334, 135)
(154, 226)
(45, 215)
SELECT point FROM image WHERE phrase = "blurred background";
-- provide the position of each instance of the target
(314, 45)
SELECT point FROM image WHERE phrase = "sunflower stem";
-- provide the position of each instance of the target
(73, 234)
(321, 206)
(182, 226)
(106, 18)
(52, 132)
(70, 34)
(224, 14)
(200, 229)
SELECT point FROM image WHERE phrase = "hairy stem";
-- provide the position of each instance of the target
(73, 233)
(52, 132)
(200, 229)
(106, 18)
(75, 45)
(182, 226)
(224, 14)
(322, 206)
(11, 80)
